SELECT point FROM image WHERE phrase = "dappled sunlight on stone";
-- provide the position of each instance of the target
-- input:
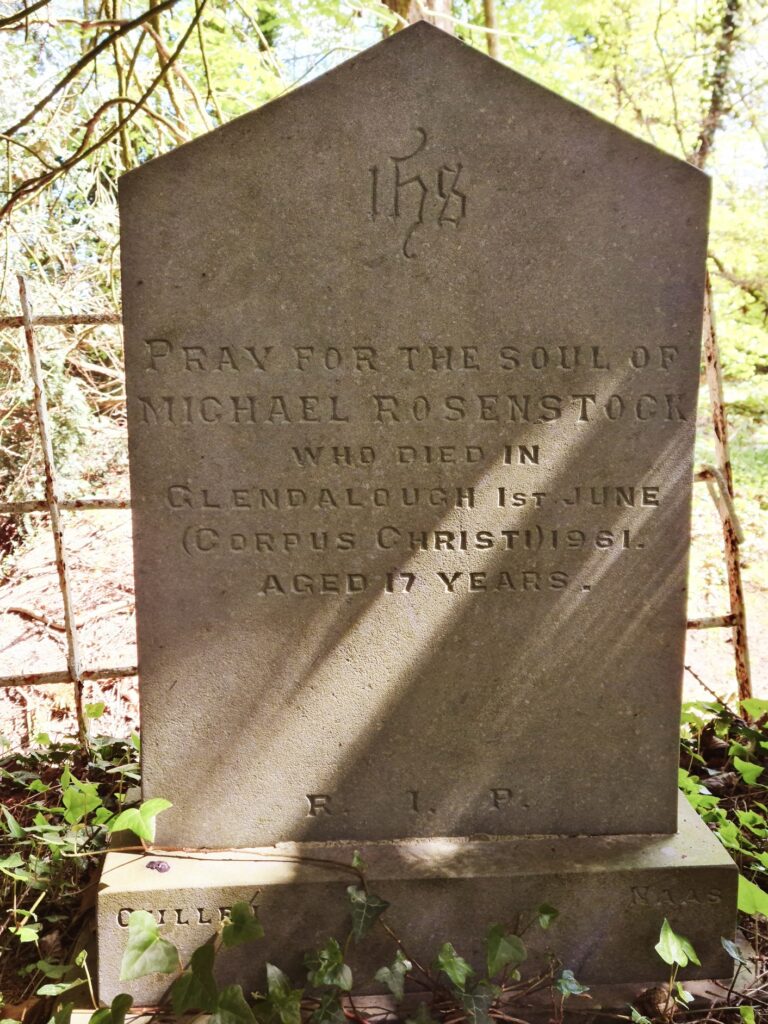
(411, 398)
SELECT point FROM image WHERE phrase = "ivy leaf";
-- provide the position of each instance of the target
(231, 1008)
(329, 1011)
(114, 1013)
(243, 925)
(734, 952)
(754, 707)
(546, 915)
(752, 899)
(140, 820)
(637, 1017)
(282, 1003)
(95, 710)
(455, 967)
(79, 800)
(62, 1015)
(747, 1014)
(146, 952)
(50, 970)
(196, 988)
(394, 976)
(683, 997)
(13, 826)
(27, 932)
(326, 967)
(747, 770)
(503, 950)
(367, 908)
(278, 983)
(674, 948)
(56, 988)
(477, 1004)
(567, 985)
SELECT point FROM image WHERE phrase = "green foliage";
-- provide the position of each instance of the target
(80, 799)
(477, 1003)
(455, 967)
(242, 926)
(141, 820)
(329, 1010)
(503, 950)
(734, 952)
(394, 976)
(282, 1003)
(231, 1008)
(752, 899)
(749, 772)
(747, 1014)
(195, 988)
(567, 985)
(675, 949)
(62, 1014)
(728, 754)
(326, 966)
(146, 951)
(114, 1013)
(546, 915)
(58, 803)
(366, 910)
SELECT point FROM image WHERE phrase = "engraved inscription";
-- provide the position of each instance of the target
(651, 896)
(319, 803)
(178, 915)
(449, 464)
(404, 188)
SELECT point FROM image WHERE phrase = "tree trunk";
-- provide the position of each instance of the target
(492, 29)
(436, 12)
(719, 83)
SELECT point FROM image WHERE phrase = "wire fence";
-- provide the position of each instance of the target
(718, 479)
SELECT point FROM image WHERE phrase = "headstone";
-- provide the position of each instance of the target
(412, 358)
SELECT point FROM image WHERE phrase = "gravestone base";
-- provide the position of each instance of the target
(612, 894)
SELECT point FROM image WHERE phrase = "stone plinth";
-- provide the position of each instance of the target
(612, 894)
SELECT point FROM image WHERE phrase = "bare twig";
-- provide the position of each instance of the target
(12, 19)
(25, 613)
(87, 58)
(755, 288)
(211, 92)
(29, 188)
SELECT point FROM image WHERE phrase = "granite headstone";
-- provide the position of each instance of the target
(412, 359)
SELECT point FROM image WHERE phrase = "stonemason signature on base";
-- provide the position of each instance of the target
(412, 360)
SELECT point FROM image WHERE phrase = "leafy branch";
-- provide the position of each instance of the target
(29, 188)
